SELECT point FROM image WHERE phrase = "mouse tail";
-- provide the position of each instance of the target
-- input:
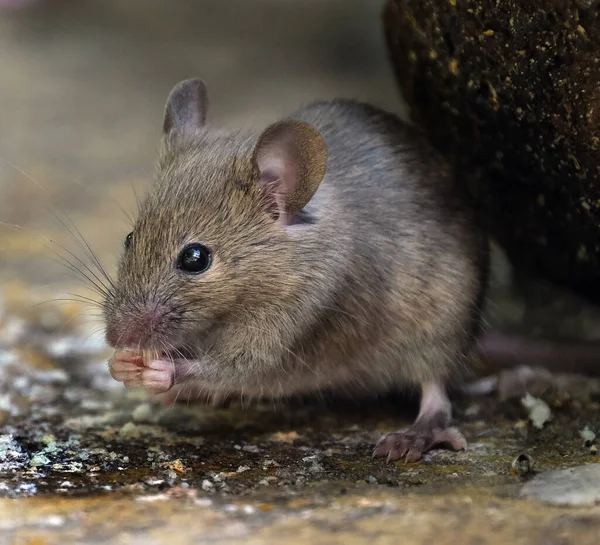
(507, 351)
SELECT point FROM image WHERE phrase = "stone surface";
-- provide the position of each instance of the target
(509, 90)
(572, 486)
(373, 516)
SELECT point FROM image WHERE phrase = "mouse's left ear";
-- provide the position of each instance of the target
(186, 107)
(291, 158)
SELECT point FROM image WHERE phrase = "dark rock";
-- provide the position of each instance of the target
(511, 92)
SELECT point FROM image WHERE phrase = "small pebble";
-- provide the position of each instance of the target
(39, 460)
(523, 465)
(153, 498)
(142, 413)
(285, 437)
(588, 436)
(539, 411)
(53, 521)
(53, 376)
(128, 430)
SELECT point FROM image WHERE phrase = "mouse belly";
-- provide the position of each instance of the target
(369, 373)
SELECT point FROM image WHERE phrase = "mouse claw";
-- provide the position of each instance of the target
(412, 443)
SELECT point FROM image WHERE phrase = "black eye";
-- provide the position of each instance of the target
(127, 242)
(194, 259)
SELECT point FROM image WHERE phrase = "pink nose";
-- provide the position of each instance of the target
(133, 330)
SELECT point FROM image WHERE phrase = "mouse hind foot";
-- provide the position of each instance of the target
(429, 430)
(415, 441)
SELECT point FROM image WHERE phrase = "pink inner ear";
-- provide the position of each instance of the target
(270, 184)
(277, 178)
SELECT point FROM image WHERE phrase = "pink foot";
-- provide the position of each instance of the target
(158, 376)
(154, 376)
(413, 442)
(429, 430)
(126, 367)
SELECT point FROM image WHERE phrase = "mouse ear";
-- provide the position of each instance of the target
(291, 158)
(186, 107)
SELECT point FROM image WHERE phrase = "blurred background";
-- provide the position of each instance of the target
(83, 85)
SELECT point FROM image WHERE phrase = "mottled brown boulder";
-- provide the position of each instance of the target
(510, 90)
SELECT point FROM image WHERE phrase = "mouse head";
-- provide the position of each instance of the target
(216, 238)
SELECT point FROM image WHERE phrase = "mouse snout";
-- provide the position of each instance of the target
(135, 328)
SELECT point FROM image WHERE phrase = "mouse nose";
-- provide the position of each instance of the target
(134, 329)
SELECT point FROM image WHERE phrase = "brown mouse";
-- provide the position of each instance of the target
(330, 252)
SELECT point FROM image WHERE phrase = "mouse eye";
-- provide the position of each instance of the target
(194, 259)
(127, 242)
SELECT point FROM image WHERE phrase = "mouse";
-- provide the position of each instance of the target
(330, 252)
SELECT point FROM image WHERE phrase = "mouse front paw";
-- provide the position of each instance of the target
(138, 373)
(415, 441)
(126, 366)
(158, 376)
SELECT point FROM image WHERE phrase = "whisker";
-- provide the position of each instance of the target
(100, 288)
(137, 200)
(64, 262)
(86, 299)
(83, 244)
(84, 265)
(77, 235)
(94, 332)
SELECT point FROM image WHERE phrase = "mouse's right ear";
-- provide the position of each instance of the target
(291, 159)
(186, 107)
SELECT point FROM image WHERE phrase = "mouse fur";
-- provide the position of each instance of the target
(376, 283)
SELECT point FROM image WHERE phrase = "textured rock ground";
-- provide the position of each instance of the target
(82, 461)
